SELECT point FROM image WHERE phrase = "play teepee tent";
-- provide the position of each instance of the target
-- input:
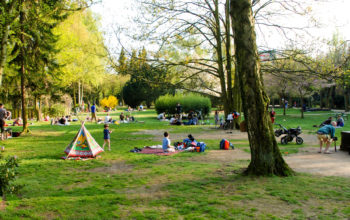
(83, 145)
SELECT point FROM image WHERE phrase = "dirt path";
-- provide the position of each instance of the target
(306, 161)
(309, 161)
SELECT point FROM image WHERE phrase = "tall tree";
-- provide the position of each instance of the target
(7, 18)
(36, 42)
(266, 158)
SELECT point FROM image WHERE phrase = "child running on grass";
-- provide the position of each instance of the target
(107, 137)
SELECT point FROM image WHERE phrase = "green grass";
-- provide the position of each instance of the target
(183, 186)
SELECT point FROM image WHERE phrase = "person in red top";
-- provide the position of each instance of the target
(272, 115)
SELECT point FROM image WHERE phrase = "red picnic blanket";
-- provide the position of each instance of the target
(157, 152)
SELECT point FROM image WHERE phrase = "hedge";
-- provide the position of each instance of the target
(189, 102)
(56, 110)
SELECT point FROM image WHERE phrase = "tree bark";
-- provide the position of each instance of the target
(37, 108)
(74, 97)
(346, 99)
(3, 52)
(302, 105)
(23, 72)
(79, 97)
(332, 96)
(228, 56)
(328, 97)
(4, 39)
(321, 99)
(220, 61)
(284, 105)
(266, 158)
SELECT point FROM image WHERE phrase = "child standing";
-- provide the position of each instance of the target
(107, 137)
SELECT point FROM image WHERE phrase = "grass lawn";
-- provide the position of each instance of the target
(124, 185)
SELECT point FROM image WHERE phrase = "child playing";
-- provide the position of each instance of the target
(107, 137)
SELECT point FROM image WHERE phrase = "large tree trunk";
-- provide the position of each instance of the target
(328, 97)
(266, 158)
(237, 101)
(284, 104)
(37, 108)
(302, 105)
(321, 99)
(220, 60)
(74, 97)
(228, 56)
(23, 72)
(4, 38)
(79, 97)
(346, 99)
(3, 52)
(332, 97)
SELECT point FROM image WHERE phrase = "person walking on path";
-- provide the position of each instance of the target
(93, 113)
(3, 116)
(326, 135)
(106, 137)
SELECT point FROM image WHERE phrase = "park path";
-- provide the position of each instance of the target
(335, 164)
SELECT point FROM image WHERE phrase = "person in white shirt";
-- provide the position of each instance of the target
(161, 116)
(107, 119)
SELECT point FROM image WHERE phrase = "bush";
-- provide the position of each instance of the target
(190, 102)
(8, 173)
(109, 102)
(55, 111)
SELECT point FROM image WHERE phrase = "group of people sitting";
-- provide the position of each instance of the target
(229, 120)
(126, 119)
(339, 123)
(177, 119)
(63, 121)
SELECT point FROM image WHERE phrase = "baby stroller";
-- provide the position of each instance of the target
(290, 134)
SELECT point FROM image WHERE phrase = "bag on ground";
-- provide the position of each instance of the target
(200, 147)
(225, 144)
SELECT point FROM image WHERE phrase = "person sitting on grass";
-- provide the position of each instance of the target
(121, 117)
(340, 121)
(173, 120)
(195, 120)
(63, 121)
(108, 119)
(326, 122)
(161, 116)
(166, 143)
(18, 122)
(326, 135)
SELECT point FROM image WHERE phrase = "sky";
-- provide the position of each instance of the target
(332, 15)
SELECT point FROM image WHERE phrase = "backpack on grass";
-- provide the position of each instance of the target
(200, 147)
(225, 145)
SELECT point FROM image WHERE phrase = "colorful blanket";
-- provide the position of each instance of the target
(157, 152)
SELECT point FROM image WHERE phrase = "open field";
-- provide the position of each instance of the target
(206, 185)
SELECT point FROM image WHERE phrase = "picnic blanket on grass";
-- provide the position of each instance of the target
(157, 152)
